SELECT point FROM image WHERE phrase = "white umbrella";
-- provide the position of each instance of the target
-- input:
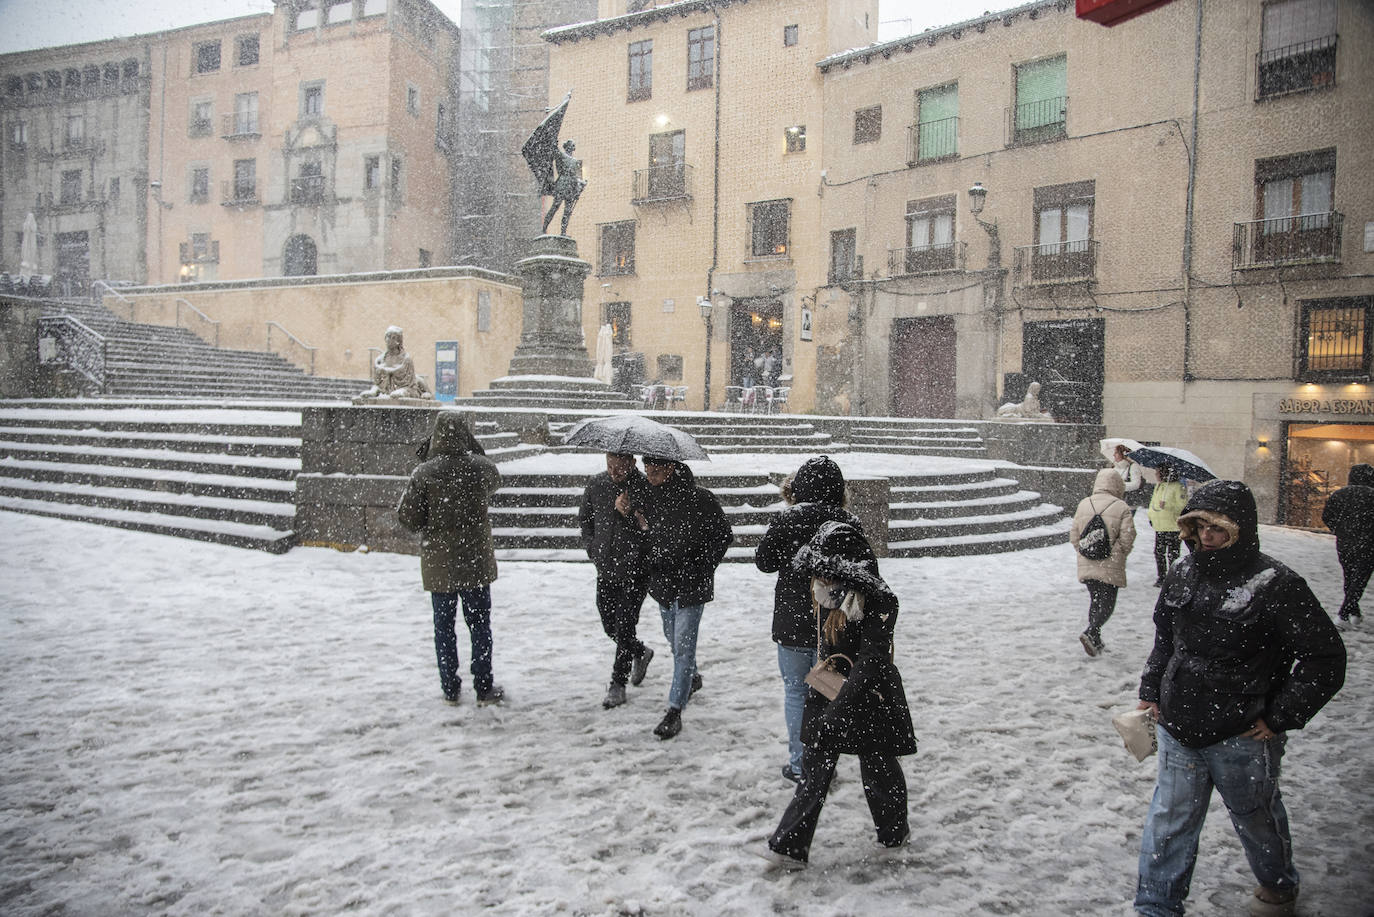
(603, 354)
(636, 434)
(28, 249)
(1108, 446)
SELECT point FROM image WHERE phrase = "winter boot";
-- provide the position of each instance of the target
(493, 695)
(640, 666)
(670, 725)
(615, 696)
(1273, 902)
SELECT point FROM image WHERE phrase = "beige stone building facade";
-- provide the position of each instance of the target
(1173, 235)
(699, 125)
(74, 154)
(316, 139)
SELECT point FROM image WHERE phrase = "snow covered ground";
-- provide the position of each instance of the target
(195, 729)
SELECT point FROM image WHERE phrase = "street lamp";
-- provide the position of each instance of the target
(977, 196)
(705, 305)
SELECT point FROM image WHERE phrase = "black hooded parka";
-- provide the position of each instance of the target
(688, 535)
(1238, 635)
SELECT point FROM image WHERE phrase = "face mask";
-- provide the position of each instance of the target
(825, 595)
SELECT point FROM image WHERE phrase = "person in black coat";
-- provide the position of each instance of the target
(816, 494)
(1243, 653)
(615, 544)
(869, 716)
(1349, 513)
(687, 537)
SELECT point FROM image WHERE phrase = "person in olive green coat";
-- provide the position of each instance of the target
(446, 502)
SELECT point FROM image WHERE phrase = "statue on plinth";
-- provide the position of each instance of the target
(558, 172)
(1027, 409)
(393, 372)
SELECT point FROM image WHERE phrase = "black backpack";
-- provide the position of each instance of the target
(1095, 543)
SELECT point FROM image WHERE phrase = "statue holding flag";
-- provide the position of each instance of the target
(558, 172)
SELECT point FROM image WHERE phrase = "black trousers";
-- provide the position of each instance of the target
(1101, 604)
(1356, 567)
(619, 602)
(1166, 551)
(884, 787)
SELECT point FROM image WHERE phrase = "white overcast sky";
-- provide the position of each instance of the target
(28, 24)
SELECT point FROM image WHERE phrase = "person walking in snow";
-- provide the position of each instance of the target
(815, 495)
(687, 537)
(615, 544)
(1166, 502)
(1349, 513)
(856, 615)
(1105, 576)
(1243, 653)
(446, 502)
(1131, 476)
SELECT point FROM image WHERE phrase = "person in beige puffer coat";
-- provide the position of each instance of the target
(1103, 577)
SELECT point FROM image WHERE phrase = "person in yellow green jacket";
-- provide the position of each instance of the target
(1166, 503)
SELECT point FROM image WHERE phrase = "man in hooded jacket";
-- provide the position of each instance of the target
(615, 544)
(1243, 653)
(446, 502)
(816, 496)
(687, 537)
(1349, 513)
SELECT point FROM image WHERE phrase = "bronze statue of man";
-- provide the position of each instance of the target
(558, 172)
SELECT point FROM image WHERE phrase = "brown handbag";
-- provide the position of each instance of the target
(826, 678)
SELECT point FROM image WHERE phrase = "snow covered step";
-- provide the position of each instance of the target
(274, 514)
(260, 537)
(275, 468)
(991, 543)
(156, 479)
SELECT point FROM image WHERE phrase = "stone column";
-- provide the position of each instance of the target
(551, 333)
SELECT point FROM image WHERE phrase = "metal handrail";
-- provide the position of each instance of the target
(205, 318)
(126, 300)
(299, 343)
(83, 350)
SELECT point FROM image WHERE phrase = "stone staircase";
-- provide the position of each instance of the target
(160, 361)
(224, 474)
(906, 437)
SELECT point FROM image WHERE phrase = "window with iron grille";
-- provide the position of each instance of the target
(617, 315)
(1063, 232)
(75, 134)
(202, 118)
(246, 50)
(372, 173)
(701, 57)
(617, 248)
(312, 100)
(71, 186)
(1295, 215)
(200, 185)
(794, 138)
(206, 55)
(930, 235)
(842, 253)
(868, 124)
(245, 180)
(789, 36)
(1335, 339)
(641, 78)
(1297, 47)
(769, 226)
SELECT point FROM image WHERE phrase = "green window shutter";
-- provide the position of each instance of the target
(1040, 88)
(937, 117)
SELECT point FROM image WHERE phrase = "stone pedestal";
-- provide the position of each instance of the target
(551, 332)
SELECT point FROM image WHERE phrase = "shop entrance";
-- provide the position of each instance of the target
(1317, 460)
(755, 332)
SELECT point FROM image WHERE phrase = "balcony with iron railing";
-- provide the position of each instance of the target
(671, 182)
(847, 271)
(1309, 238)
(239, 193)
(1039, 121)
(241, 125)
(932, 141)
(925, 259)
(1296, 68)
(1056, 262)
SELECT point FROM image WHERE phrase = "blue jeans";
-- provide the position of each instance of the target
(793, 663)
(680, 623)
(1246, 773)
(477, 616)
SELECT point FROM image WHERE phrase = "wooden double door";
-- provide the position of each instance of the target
(922, 373)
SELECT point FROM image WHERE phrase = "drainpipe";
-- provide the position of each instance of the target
(715, 189)
(1188, 217)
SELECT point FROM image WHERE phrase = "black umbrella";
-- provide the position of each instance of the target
(1184, 462)
(635, 434)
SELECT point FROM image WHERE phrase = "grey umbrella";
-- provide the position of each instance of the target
(637, 434)
(1184, 462)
